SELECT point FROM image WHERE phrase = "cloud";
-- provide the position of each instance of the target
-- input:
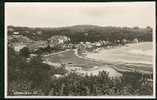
(63, 14)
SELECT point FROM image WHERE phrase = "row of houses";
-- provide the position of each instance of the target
(63, 42)
(83, 47)
(20, 41)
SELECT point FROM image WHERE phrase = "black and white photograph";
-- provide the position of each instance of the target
(80, 50)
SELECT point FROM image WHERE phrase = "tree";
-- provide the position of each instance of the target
(24, 52)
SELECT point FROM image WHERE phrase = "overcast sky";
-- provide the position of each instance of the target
(67, 14)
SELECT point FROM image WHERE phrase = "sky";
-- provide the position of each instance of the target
(124, 14)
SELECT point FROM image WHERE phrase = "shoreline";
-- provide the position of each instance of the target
(132, 53)
(118, 66)
(129, 65)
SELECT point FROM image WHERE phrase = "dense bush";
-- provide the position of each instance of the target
(24, 52)
(21, 73)
(77, 85)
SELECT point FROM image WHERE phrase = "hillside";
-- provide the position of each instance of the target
(90, 33)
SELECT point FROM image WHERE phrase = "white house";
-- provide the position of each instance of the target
(18, 47)
(98, 44)
(15, 33)
(57, 76)
(57, 40)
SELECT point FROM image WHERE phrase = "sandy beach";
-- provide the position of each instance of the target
(131, 53)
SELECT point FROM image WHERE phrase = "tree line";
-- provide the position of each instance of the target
(84, 33)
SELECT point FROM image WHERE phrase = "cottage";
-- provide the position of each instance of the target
(18, 47)
(98, 44)
(135, 40)
(15, 33)
(88, 45)
(39, 32)
(123, 41)
(33, 55)
(56, 40)
(57, 76)
(82, 47)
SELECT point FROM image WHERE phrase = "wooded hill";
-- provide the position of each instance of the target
(89, 33)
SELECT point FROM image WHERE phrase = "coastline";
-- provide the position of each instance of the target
(123, 66)
(132, 53)
(119, 67)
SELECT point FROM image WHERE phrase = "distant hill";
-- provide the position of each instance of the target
(90, 33)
